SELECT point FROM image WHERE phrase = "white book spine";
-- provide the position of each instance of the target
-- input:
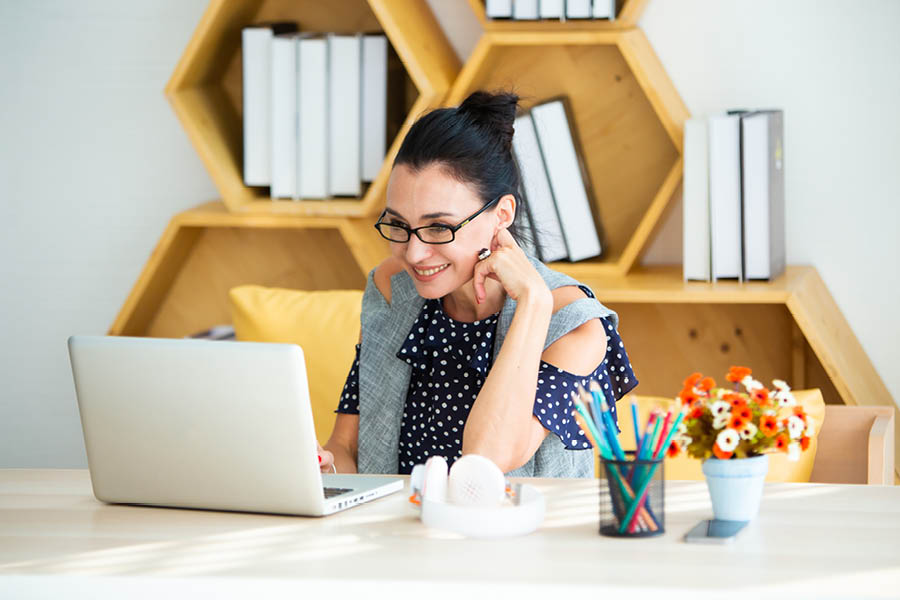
(762, 195)
(578, 9)
(374, 105)
(551, 9)
(566, 181)
(256, 70)
(546, 229)
(525, 10)
(498, 9)
(604, 9)
(344, 147)
(696, 200)
(725, 196)
(283, 136)
(312, 157)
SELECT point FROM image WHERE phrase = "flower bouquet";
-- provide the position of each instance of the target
(733, 430)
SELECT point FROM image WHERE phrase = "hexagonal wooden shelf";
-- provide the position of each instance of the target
(205, 89)
(207, 250)
(627, 14)
(627, 114)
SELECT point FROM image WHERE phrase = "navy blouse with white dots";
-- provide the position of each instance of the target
(450, 361)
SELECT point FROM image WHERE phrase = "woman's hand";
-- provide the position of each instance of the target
(326, 459)
(509, 265)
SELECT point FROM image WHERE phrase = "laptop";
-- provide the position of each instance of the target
(206, 424)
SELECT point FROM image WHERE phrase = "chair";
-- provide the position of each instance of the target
(856, 445)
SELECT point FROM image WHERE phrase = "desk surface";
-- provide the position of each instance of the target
(811, 540)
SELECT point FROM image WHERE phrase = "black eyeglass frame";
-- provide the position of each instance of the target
(415, 230)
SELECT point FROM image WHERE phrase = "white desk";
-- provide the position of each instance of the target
(810, 540)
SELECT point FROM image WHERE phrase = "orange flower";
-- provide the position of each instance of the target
(706, 384)
(696, 412)
(720, 454)
(781, 442)
(692, 380)
(804, 442)
(768, 425)
(737, 422)
(735, 374)
(674, 449)
(743, 412)
(688, 397)
(760, 396)
(798, 410)
(735, 400)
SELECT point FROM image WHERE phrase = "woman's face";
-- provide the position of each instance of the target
(431, 197)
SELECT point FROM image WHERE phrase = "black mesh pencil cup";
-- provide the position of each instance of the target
(632, 497)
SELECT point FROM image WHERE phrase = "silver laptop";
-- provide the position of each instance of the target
(206, 424)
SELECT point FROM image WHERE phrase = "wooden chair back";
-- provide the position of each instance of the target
(856, 445)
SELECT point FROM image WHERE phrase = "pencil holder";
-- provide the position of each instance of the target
(632, 497)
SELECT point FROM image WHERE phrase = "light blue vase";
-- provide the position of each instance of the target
(735, 486)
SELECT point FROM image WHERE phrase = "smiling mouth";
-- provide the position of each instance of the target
(432, 271)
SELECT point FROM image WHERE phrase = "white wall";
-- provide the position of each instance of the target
(93, 164)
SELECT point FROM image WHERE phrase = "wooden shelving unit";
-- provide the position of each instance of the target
(629, 118)
(206, 251)
(205, 89)
(627, 113)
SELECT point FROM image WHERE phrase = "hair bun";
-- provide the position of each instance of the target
(496, 112)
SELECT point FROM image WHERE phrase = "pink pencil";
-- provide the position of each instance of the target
(664, 432)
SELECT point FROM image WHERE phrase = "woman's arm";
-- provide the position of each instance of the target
(504, 427)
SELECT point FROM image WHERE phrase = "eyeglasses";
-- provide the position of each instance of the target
(429, 234)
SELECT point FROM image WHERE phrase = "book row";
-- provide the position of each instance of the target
(314, 111)
(734, 224)
(530, 10)
(555, 185)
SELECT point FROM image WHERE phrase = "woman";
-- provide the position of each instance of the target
(467, 344)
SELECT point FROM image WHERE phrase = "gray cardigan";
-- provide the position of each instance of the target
(384, 378)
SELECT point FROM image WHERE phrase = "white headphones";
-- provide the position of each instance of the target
(472, 498)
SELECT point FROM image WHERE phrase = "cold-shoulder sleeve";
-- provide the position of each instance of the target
(553, 404)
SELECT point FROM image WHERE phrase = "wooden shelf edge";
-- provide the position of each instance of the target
(665, 284)
(839, 351)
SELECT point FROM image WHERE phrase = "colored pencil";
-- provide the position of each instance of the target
(642, 488)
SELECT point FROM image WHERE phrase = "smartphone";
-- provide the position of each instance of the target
(714, 531)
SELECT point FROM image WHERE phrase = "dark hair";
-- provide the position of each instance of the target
(473, 143)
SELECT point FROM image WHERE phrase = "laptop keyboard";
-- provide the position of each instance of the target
(331, 492)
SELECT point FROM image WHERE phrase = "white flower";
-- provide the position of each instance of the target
(721, 421)
(719, 407)
(720, 392)
(781, 385)
(810, 427)
(682, 429)
(796, 426)
(785, 398)
(728, 439)
(748, 431)
(794, 451)
(750, 383)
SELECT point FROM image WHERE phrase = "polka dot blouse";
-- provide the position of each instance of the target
(450, 360)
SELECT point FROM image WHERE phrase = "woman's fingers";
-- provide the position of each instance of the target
(326, 459)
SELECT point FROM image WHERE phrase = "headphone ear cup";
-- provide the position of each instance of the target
(475, 480)
(434, 484)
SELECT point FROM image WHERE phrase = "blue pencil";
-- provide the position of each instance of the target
(634, 419)
(597, 393)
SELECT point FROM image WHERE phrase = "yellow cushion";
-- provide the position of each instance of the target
(685, 467)
(325, 324)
